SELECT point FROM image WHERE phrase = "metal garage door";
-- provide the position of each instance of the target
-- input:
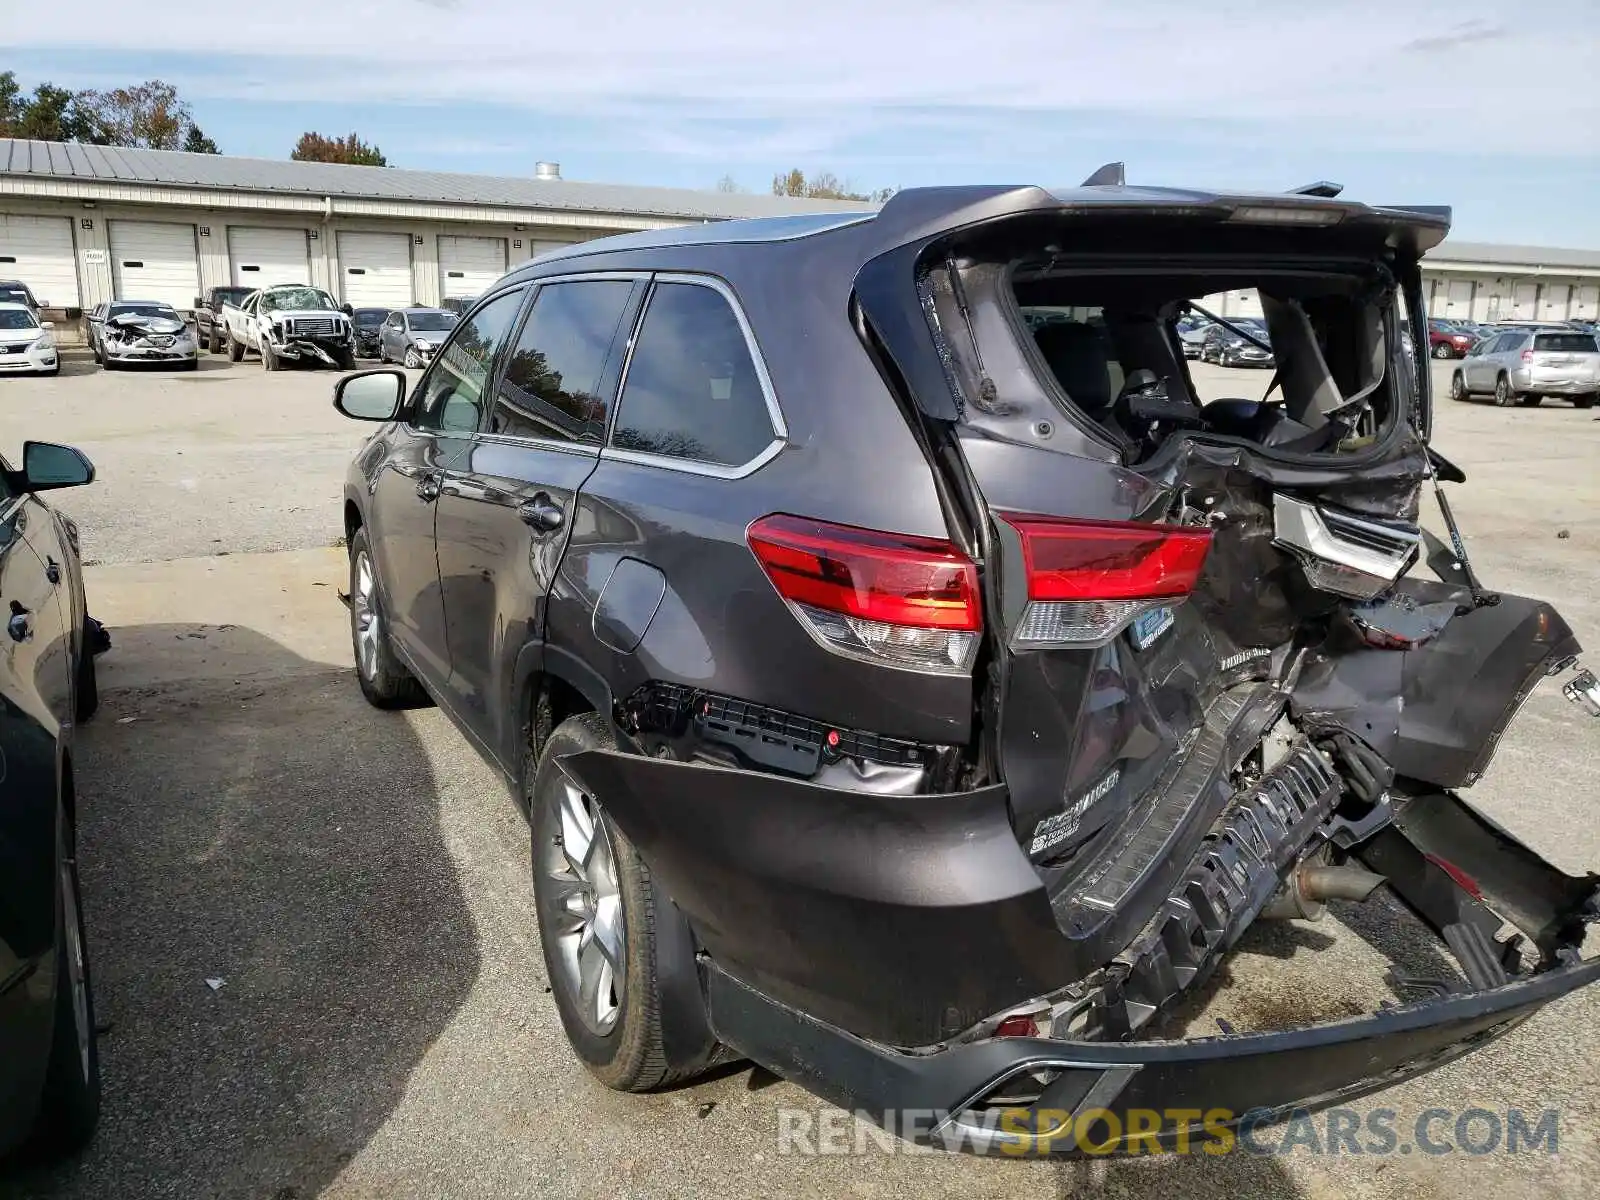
(468, 266)
(1553, 301)
(1524, 300)
(38, 251)
(1586, 304)
(267, 257)
(150, 261)
(375, 269)
(1458, 300)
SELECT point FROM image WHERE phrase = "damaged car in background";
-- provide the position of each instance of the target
(291, 323)
(125, 333)
(917, 686)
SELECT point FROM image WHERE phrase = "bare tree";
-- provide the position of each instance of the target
(823, 186)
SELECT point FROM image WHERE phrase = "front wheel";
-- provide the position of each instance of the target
(1458, 387)
(347, 360)
(413, 360)
(385, 682)
(1503, 395)
(1442, 350)
(596, 910)
(1532, 401)
(269, 360)
(235, 349)
(214, 343)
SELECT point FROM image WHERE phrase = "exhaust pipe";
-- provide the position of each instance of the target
(1305, 894)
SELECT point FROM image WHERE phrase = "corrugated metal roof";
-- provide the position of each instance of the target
(1515, 256)
(223, 172)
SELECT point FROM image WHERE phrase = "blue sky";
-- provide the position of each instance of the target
(1491, 108)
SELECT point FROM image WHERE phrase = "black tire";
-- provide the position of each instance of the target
(192, 364)
(1503, 395)
(347, 360)
(1458, 387)
(86, 693)
(384, 680)
(1586, 401)
(269, 360)
(630, 1056)
(108, 364)
(214, 342)
(1530, 401)
(235, 349)
(69, 1106)
(1442, 350)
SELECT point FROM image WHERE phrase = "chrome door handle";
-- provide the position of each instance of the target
(429, 488)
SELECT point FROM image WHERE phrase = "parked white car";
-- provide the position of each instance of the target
(27, 345)
(124, 333)
(288, 323)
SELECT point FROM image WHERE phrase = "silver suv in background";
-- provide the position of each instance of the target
(1523, 366)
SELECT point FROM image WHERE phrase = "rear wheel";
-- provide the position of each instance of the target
(1586, 401)
(1532, 401)
(596, 911)
(385, 682)
(1442, 350)
(69, 1107)
(1458, 387)
(1503, 395)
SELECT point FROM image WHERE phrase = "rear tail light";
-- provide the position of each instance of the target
(1088, 580)
(886, 598)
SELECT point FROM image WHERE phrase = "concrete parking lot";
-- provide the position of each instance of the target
(357, 881)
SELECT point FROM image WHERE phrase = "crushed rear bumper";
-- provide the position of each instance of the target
(1095, 1088)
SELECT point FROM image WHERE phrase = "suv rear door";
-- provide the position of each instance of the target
(505, 515)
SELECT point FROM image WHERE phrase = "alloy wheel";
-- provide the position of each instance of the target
(368, 621)
(585, 905)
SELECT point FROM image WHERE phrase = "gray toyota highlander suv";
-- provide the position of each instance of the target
(914, 686)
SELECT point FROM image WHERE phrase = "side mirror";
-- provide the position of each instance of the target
(348, 310)
(40, 303)
(47, 324)
(371, 395)
(199, 301)
(46, 466)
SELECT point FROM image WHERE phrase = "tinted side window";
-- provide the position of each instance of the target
(692, 390)
(450, 397)
(551, 386)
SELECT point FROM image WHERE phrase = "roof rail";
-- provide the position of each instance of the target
(1110, 175)
(1323, 188)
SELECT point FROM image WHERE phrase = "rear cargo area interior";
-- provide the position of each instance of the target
(1107, 345)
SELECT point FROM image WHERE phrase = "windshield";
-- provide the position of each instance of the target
(293, 299)
(432, 322)
(143, 310)
(371, 318)
(16, 318)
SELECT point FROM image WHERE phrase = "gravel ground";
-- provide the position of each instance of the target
(358, 880)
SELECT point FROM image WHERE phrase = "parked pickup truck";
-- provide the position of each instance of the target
(209, 330)
(289, 322)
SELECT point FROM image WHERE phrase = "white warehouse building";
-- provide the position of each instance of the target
(80, 224)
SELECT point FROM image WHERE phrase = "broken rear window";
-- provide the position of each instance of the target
(1297, 358)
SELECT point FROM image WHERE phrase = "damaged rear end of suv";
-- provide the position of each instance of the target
(946, 733)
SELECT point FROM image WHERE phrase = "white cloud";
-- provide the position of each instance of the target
(1468, 74)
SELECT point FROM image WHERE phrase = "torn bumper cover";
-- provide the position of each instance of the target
(866, 946)
(131, 337)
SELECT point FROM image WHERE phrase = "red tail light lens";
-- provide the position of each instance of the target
(1109, 560)
(1088, 580)
(886, 597)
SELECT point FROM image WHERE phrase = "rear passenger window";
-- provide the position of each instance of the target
(692, 390)
(552, 384)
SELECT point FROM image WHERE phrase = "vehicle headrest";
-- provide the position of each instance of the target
(1077, 357)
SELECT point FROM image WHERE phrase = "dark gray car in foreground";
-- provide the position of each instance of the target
(919, 696)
